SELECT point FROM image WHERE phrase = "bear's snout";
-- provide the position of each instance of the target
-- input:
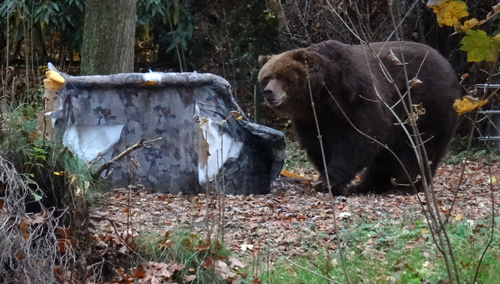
(268, 93)
(273, 93)
(270, 97)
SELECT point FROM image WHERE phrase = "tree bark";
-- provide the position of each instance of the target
(108, 37)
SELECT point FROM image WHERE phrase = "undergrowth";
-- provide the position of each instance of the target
(49, 211)
(42, 159)
(479, 155)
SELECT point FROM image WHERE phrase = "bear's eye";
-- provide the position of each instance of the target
(282, 78)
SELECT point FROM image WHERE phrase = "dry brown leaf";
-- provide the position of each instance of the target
(415, 82)
(224, 270)
(24, 228)
(235, 263)
(189, 278)
(284, 217)
(394, 59)
(139, 273)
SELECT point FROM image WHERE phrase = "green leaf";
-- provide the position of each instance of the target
(46, 16)
(36, 196)
(479, 46)
(55, 7)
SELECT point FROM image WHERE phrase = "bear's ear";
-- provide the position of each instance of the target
(263, 59)
(301, 55)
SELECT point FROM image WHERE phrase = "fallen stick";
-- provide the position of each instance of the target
(134, 147)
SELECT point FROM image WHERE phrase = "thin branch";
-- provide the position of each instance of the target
(492, 229)
(140, 144)
(126, 243)
(335, 227)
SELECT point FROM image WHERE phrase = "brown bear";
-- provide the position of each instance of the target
(363, 97)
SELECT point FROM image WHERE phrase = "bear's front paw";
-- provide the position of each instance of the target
(322, 186)
(356, 189)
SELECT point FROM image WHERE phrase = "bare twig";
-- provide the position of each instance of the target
(107, 165)
(322, 150)
(22, 235)
(492, 229)
(126, 243)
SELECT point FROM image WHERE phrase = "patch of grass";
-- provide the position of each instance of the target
(296, 159)
(182, 246)
(397, 251)
(470, 155)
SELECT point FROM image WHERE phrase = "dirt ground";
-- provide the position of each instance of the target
(293, 217)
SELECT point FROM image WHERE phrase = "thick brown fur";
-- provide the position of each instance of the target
(355, 99)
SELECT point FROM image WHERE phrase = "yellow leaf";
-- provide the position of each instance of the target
(497, 37)
(288, 174)
(424, 231)
(236, 114)
(459, 217)
(469, 24)
(449, 12)
(468, 104)
(54, 76)
(59, 173)
(149, 83)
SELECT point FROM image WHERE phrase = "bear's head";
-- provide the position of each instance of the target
(286, 80)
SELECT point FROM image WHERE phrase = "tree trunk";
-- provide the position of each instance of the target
(108, 37)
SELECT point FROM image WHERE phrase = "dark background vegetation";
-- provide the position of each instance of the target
(221, 37)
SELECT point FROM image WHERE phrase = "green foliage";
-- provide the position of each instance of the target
(65, 16)
(230, 36)
(469, 155)
(171, 25)
(397, 251)
(47, 162)
(253, 31)
(182, 246)
(479, 46)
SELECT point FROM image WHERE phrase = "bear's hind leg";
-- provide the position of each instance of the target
(376, 178)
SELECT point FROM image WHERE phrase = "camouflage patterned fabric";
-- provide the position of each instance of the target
(191, 112)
